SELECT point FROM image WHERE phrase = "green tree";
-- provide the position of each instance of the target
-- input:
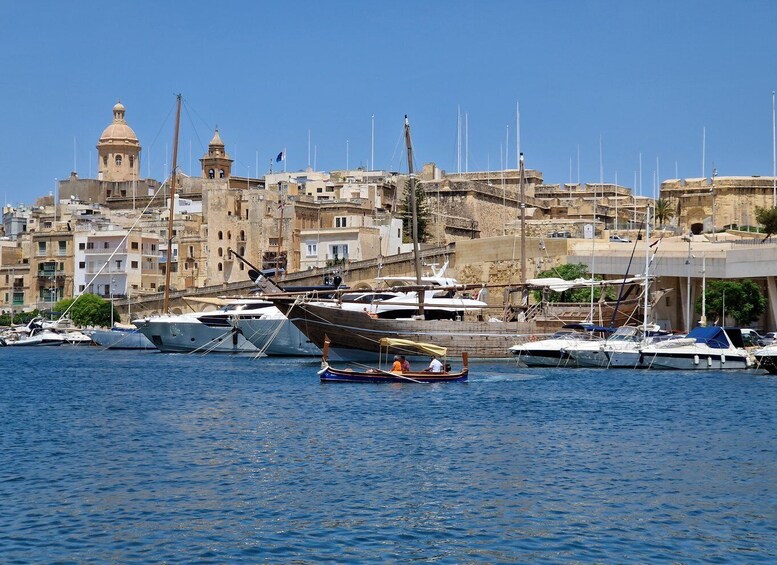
(423, 213)
(19, 318)
(570, 272)
(767, 217)
(88, 310)
(663, 211)
(744, 301)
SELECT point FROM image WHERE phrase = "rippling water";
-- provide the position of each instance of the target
(145, 457)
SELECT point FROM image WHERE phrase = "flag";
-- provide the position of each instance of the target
(280, 157)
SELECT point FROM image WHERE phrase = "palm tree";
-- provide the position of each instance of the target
(663, 211)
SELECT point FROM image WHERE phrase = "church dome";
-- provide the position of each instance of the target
(118, 131)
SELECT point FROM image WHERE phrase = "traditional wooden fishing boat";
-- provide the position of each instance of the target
(365, 374)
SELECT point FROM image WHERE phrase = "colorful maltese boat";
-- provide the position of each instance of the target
(382, 374)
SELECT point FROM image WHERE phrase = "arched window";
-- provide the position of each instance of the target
(118, 160)
(242, 267)
(221, 236)
(105, 160)
(221, 267)
(242, 250)
(221, 173)
(221, 252)
(242, 235)
(229, 235)
(211, 174)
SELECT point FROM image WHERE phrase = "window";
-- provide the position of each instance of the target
(221, 173)
(132, 161)
(340, 251)
(211, 174)
(107, 289)
(118, 160)
(82, 264)
(62, 247)
(134, 245)
(319, 190)
(105, 160)
(229, 235)
(242, 235)
(340, 222)
(41, 248)
(81, 288)
(134, 264)
(153, 247)
(221, 236)
(118, 264)
(312, 249)
(90, 245)
(221, 267)
(81, 246)
(106, 245)
(220, 252)
(191, 251)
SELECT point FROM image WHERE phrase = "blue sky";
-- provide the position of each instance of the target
(644, 77)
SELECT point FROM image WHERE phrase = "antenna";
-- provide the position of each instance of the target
(372, 145)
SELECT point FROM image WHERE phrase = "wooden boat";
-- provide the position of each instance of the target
(364, 374)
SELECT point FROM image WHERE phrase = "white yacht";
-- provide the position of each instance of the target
(552, 352)
(704, 348)
(391, 302)
(766, 358)
(273, 334)
(205, 332)
(621, 349)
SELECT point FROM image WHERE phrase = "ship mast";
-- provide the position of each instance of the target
(172, 207)
(414, 210)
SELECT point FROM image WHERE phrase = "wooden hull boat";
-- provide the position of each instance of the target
(364, 374)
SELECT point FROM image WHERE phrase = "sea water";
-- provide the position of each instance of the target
(146, 457)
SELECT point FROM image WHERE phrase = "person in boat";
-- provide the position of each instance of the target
(370, 314)
(397, 366)
(435, 366)
(405, 364)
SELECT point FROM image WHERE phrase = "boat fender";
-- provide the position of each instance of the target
(722, 359)
(709, 361)
(695, 359)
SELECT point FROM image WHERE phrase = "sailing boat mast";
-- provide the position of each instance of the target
(172, 206)
(523, 227)
(414, 211)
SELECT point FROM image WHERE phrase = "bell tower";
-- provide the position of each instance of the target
(216, 164)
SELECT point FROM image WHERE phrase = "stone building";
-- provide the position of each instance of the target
(702, 204)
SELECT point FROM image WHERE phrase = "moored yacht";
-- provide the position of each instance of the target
(552, 352)
(766, 358)
(712, 347)
(204, 332)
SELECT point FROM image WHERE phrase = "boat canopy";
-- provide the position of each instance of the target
(421, 347)
(714, 336)
(560, 285)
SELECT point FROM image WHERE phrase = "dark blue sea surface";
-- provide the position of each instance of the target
(134, 457)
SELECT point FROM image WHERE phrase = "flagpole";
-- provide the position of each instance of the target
(285, 158)
(372, 145)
